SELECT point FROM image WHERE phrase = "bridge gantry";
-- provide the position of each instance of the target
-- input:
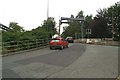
(3, 27)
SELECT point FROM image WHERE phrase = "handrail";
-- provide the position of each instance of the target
(14, 46)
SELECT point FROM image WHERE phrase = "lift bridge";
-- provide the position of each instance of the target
(64, 19)
(70, 19)
(3, 27)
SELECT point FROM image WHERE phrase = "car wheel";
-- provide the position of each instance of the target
(61, 47)
(51, 48)
(67, 46)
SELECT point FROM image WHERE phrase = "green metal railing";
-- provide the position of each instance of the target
(14, 46)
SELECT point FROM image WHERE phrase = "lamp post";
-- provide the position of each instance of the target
(59, 28)
(47, 9)
(113, 32)
(82, 30)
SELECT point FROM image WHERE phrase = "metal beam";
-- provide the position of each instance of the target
(66, 22)
(73, 19)
(4, 27)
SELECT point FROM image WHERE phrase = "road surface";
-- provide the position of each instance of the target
(77, 61)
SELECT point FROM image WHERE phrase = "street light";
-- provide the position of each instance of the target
(47, 9)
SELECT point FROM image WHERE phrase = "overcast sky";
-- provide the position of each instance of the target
(31, 13)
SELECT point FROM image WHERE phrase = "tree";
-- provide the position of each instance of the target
(40, 32)
(113, 16)
(87, 24)
(80, 14)
(49, 26)
(15, 27)
(17, 33)
(74, 27)
(14, 33)
(99, 27)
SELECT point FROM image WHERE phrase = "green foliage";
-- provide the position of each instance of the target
(87, 24)
(74, 27)
(13, 34)
(27, 35)
(40, 32)
(17, 32)
(103, 25)
(99, 28)
(112, 17)
(49, 26)
(15, 27)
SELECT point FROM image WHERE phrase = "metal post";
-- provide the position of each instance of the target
(75, 35)
(113, 26)
(59, 28)
(74, 19)
(18, 46)
(88, 33)
(36, 42)
(82, 30)
(1, 41)
(47, 9)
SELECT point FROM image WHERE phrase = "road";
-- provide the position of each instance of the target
(77, 61)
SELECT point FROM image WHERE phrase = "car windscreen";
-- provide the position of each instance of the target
(69, 38)
(55, 40)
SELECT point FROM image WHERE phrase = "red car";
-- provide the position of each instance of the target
(58, 43)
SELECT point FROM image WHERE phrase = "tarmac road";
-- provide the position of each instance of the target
(77, 61)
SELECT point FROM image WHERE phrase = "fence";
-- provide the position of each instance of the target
(99, 42)
(14, 46)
